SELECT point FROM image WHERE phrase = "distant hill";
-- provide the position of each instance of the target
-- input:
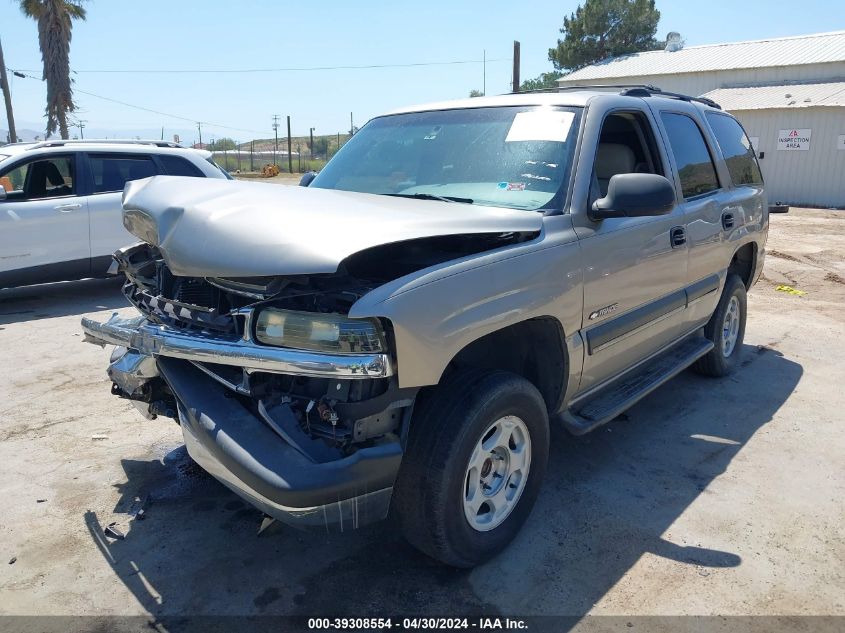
(24, 135)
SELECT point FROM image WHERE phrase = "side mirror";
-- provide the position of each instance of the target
(635, 195)
(307, 177)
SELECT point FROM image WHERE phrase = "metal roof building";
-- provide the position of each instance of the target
(780, 89)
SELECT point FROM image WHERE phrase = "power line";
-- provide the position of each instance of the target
(159, 112)
(280, 70)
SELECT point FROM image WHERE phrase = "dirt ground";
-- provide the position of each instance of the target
(709, 497)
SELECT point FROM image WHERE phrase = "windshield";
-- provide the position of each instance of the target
(516, 157)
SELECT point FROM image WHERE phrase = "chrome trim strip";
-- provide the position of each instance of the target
(159, 340)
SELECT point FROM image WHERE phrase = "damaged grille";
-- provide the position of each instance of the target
(182, 302)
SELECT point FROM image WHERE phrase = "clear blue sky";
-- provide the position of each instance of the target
(187, 34)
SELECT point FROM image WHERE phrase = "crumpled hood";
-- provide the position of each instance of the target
(221, 228)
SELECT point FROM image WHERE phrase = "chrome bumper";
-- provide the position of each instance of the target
(159, 340)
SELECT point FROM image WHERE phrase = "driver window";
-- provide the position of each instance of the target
(47, 178)
(626, 146)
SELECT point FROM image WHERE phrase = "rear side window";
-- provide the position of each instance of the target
(736, 148)
(178, 166)
(695, 165)
(111, 172)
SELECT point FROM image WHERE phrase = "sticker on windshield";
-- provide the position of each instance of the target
(511, 186)
(540, 125)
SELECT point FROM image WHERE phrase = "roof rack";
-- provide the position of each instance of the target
(648, 91)
(629, 90)
(584, 87)
(110, 141)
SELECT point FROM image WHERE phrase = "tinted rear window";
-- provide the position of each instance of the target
(695, 166)
(111, 173)
(736, 148)
(178, 166)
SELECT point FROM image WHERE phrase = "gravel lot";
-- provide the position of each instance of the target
(710, 497)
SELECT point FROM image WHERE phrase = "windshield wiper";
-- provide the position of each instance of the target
(430, 196)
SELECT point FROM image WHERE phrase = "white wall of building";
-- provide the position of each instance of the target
(815, 177)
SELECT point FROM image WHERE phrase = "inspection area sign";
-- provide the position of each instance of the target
(794, 139)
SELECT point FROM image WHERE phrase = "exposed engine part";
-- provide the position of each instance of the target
(327, 414)
(282, 420)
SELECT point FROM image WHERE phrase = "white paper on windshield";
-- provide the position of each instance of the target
(540, 125)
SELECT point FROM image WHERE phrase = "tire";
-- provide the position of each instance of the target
(723, 358)
(446, 430)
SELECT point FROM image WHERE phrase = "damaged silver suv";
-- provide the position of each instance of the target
(396, 336)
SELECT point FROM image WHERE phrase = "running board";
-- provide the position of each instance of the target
(611, 401)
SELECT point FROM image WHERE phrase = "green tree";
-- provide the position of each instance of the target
(605, 28)
(543, 82)
(475, 93)
(55, 27)
(221, 144)
(321, 146)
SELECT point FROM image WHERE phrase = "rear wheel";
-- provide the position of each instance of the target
(726, 329)
(472, 470)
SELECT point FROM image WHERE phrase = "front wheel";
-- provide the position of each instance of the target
(472, 470)
(726, 329)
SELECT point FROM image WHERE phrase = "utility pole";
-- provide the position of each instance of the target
(7, 94)
(337, 149)
(351, 125)
(290, 158)
(311, 147)
(81, 125)
(276, 132)
(199, 129)
(515, 66)
(276, 137)
(484, 77)
(251, 154)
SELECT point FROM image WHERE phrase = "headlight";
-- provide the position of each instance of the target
(318, 332)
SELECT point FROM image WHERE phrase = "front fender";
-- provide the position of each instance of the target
(441, 310)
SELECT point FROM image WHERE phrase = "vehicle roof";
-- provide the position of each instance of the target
(572, 98)
(94, 145)
(577, 98)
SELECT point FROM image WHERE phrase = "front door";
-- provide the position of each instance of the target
(43, 222)
(635, 269)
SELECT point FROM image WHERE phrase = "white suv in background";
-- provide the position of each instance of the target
(60, 202)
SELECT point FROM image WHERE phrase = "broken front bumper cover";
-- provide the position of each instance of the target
(235, 447)
(159, 340)
(233, 444)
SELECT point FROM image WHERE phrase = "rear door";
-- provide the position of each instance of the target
(706, 205)
(108, 174)
(634, 274)
(43, 221)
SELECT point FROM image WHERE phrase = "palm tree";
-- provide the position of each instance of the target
(55, 23)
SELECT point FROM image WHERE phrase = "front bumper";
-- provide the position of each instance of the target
(240, 451)
(159, 340)
(226, 438)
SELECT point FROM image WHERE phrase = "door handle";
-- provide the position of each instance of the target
(727, 220)
(677, 236)
(67, 208)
